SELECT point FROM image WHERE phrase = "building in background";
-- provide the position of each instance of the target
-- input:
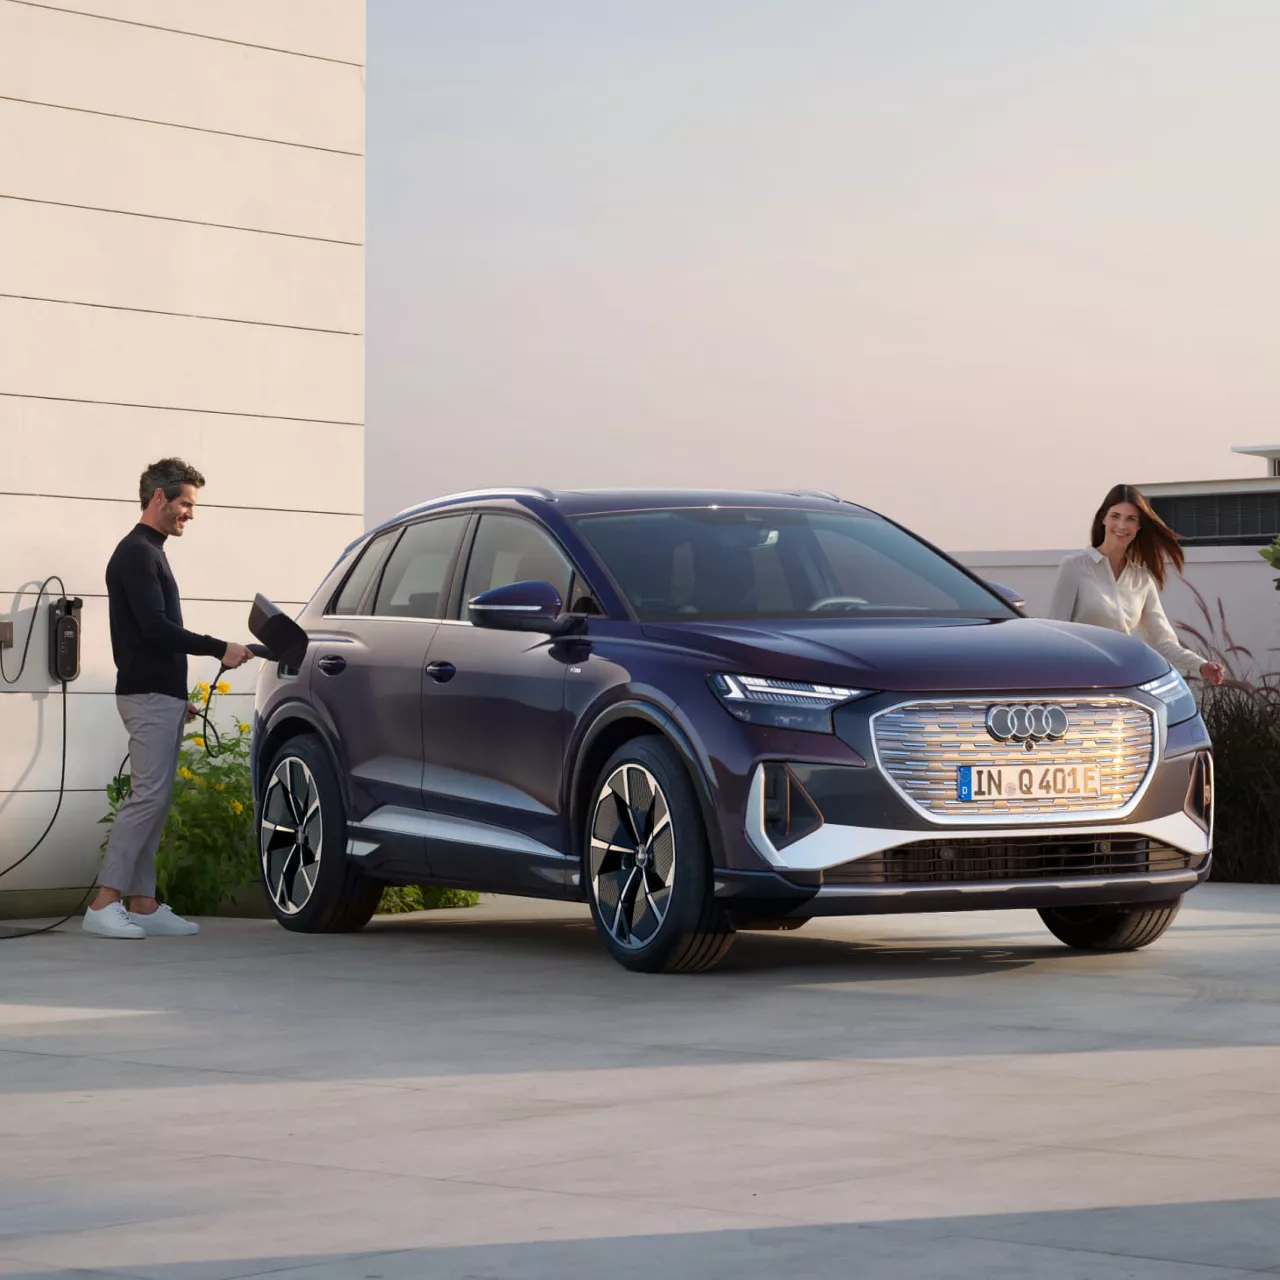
(1222, 523)
(181, 272)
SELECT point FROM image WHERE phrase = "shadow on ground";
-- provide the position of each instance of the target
(1210, 1240)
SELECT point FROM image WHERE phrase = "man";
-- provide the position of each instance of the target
(150, 648)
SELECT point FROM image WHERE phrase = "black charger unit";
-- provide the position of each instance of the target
(64, 638)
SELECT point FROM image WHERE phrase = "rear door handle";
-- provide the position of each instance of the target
(441, 672)
(332, 665)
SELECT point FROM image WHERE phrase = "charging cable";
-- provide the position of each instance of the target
(209, 732)
(62, 774)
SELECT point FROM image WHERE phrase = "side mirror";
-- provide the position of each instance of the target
(1008, 595)
(282, 638)
(520, 606)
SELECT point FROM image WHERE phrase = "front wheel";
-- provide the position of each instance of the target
(1109, 928)
(302, 845)
(647, 866)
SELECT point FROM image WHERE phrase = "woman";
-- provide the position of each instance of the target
(1116, 583)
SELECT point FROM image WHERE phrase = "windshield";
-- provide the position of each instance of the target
(744, 562)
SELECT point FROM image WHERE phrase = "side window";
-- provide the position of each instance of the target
(414, 580)
(510, 549)
(366, 569)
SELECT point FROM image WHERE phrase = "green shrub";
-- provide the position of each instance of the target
(208, 849)
(1243, 718)
(400, 898)
(1271, 555)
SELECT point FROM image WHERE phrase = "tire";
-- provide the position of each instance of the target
(1110, 928)
(646, 865)
(310, 882)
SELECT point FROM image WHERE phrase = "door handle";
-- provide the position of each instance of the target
(332, 665)
(441, 672)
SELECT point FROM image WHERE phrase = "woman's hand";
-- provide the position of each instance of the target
(1212, 673)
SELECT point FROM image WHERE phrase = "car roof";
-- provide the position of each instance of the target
(581, 502)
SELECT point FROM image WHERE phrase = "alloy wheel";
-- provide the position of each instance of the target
(292, 835)
(633, 856)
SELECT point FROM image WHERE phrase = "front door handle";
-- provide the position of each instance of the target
(441, 672)
(332, 665)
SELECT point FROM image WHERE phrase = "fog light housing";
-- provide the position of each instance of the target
(1199, 802)
(789, 811)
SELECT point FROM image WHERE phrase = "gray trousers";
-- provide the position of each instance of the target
(155, 723)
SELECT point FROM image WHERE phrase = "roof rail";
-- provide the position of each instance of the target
(545, 494)
(813, 493)
(529, 491)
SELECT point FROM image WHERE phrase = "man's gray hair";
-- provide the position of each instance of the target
(169, 474)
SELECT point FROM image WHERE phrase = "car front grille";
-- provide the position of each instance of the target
(921, 745)
(1016, 858)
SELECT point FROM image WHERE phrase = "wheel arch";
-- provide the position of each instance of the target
(294, 720)
(617, 725)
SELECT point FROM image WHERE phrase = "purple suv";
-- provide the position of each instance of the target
(705, 712)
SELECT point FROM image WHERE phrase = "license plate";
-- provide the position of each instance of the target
(979, 782)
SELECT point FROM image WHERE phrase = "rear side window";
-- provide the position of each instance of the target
(414, 581)
(364, 572)
(511, 549)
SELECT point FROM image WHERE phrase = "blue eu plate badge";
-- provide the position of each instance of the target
(964, 782)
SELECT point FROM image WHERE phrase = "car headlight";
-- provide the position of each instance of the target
(782, 704)
(1172, 690)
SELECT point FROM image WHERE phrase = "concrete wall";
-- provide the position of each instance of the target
(1235, 576)
(181, 271)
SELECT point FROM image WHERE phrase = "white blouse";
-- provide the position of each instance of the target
(1087, 591)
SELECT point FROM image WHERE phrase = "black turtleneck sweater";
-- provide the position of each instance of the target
(147, 637)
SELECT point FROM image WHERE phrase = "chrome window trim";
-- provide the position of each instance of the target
(1022, 819)
(375, 617)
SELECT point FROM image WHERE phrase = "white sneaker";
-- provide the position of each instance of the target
(111, 921)
(163, 922)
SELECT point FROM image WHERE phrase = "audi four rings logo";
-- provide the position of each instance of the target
(1034, 723)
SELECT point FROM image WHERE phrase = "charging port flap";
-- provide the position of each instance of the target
(282, 638)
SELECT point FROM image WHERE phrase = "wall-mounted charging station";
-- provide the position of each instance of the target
(64, 638)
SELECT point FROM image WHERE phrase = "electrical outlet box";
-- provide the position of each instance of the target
(6, 634)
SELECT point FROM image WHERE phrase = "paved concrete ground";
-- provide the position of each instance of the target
(485, 1094)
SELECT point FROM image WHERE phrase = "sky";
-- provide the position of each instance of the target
(969, 264)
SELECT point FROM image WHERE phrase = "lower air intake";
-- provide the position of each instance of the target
(1025, 858)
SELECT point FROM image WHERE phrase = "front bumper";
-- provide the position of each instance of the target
(748, 895)
(836, 839)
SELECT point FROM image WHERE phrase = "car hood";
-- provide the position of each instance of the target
(922, 656)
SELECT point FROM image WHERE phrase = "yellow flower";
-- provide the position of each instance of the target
(208, 695)
(237, 808)
(244, 728)
(203, 687)
(219, 786)
(186, 773)
(198, 741)
(199, 782)
(223, 687)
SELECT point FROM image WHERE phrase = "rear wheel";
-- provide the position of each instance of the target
(1110, 928)
(302, 845)
(647, 866)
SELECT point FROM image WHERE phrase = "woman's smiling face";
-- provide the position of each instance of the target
(1122, 523)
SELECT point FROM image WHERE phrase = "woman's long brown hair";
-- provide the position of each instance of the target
(1155, 544)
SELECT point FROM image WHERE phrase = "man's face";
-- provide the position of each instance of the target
(173, 516)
